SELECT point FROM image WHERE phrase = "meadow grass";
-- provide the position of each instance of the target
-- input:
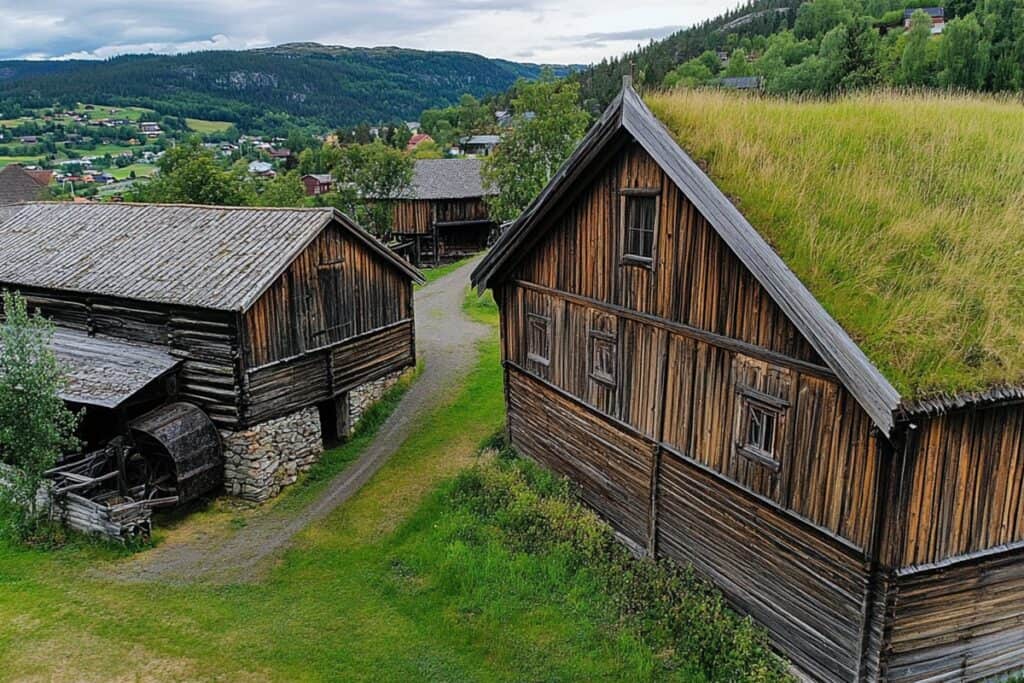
(29, 160)
(205, 127)
(141, 171)
(391, 586)
(902, 212)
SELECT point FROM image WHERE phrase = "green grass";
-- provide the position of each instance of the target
(18, 160)
(431, 274)
(902, 213)
(206, 127)
(381, 590)
(141, 171)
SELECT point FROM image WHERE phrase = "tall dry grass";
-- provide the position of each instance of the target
(902, 212)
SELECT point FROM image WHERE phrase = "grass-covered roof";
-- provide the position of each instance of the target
(903, 214)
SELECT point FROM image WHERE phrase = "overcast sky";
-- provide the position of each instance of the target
(551, 31)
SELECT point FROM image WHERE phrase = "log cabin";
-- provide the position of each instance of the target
(444, 214)
(662, 355)
(277, 323)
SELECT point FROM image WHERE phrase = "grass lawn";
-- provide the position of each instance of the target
(141, 171)
(385, 589)
(205, 127)
(18, 160)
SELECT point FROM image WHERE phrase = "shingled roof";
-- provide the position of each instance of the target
(210, 257)
(19, 185)
(448, 179)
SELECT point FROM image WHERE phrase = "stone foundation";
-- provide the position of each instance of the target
(259, 461)
(362, 397)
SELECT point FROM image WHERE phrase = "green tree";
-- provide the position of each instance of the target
(190, 174)
(963, 55)
(916, 61)
(690, 74)
(815, 19)
(534, 148)
(35, 425)
(738, 65)
(375, 174)
(284, 190)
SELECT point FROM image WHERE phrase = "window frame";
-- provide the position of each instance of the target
(627, 194)
(600, 336)
(532, 317)
(753, 400)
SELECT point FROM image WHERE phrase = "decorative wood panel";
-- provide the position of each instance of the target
(808, 592)
(959, 621)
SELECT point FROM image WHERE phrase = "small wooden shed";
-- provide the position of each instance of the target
(663, 356)
(444, 213)
(267, 319)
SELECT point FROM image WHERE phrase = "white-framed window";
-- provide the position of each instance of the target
(639, 224)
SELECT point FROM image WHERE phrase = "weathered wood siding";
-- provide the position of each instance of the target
(960, 621)
(418, 216)
(613, 468)
(206, 341)
(966, 492)
(696, 280)
(807, 590)
(282, 388)
(652, 438)
(336, 289)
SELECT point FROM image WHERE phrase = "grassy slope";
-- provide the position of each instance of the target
(902, 213)
(203, 126)
(379, 591)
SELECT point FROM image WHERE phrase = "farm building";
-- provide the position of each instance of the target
(280, 324)
(850, 474)
(18, 184)
(444, 214)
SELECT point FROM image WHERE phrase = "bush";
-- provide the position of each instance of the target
(535, 511)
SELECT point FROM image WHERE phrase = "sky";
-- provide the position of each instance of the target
(543, 31)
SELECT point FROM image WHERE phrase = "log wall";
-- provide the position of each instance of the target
(956, 621)
(206, 341)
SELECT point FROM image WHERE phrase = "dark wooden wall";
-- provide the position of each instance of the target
(206, 341)
(966, 490)
(418, 216)
(334, 290)
(957, 621)
(812, 544)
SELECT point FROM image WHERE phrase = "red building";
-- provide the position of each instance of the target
(317, 183)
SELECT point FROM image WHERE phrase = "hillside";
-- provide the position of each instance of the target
(326, 85)
(902, 214)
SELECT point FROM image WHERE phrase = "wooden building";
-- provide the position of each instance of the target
(444, 214)
(18, 184)
(659, 353)
(267, 319)
(317, 183)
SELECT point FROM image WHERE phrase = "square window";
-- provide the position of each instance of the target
(639, 220)
(759, 438)
(761, 429)
(538, 338)
(602, 359)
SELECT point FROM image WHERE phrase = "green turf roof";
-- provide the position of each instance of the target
(903, 214)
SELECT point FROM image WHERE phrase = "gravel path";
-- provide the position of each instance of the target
(446, 340)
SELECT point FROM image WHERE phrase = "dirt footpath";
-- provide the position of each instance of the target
(446, 339)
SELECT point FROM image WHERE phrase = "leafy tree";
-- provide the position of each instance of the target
(963, 55)
(738, 65)
(536, 146)
(690, 74)
(817, 18)
(284, 190)
(916, 62)
(35, 425)
(190, 174)
(373, 175)
(427, 150)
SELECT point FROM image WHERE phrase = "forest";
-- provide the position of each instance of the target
(828, 46)
(272, 88)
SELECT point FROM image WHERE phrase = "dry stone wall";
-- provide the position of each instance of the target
(261, 460)
(362, 397)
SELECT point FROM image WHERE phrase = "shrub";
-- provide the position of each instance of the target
(535, 511)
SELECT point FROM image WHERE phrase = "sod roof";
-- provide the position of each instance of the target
(902, 214)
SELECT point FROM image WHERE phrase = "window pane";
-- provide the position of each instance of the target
(639, 226)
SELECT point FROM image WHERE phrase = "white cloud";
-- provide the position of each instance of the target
(570, 31)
